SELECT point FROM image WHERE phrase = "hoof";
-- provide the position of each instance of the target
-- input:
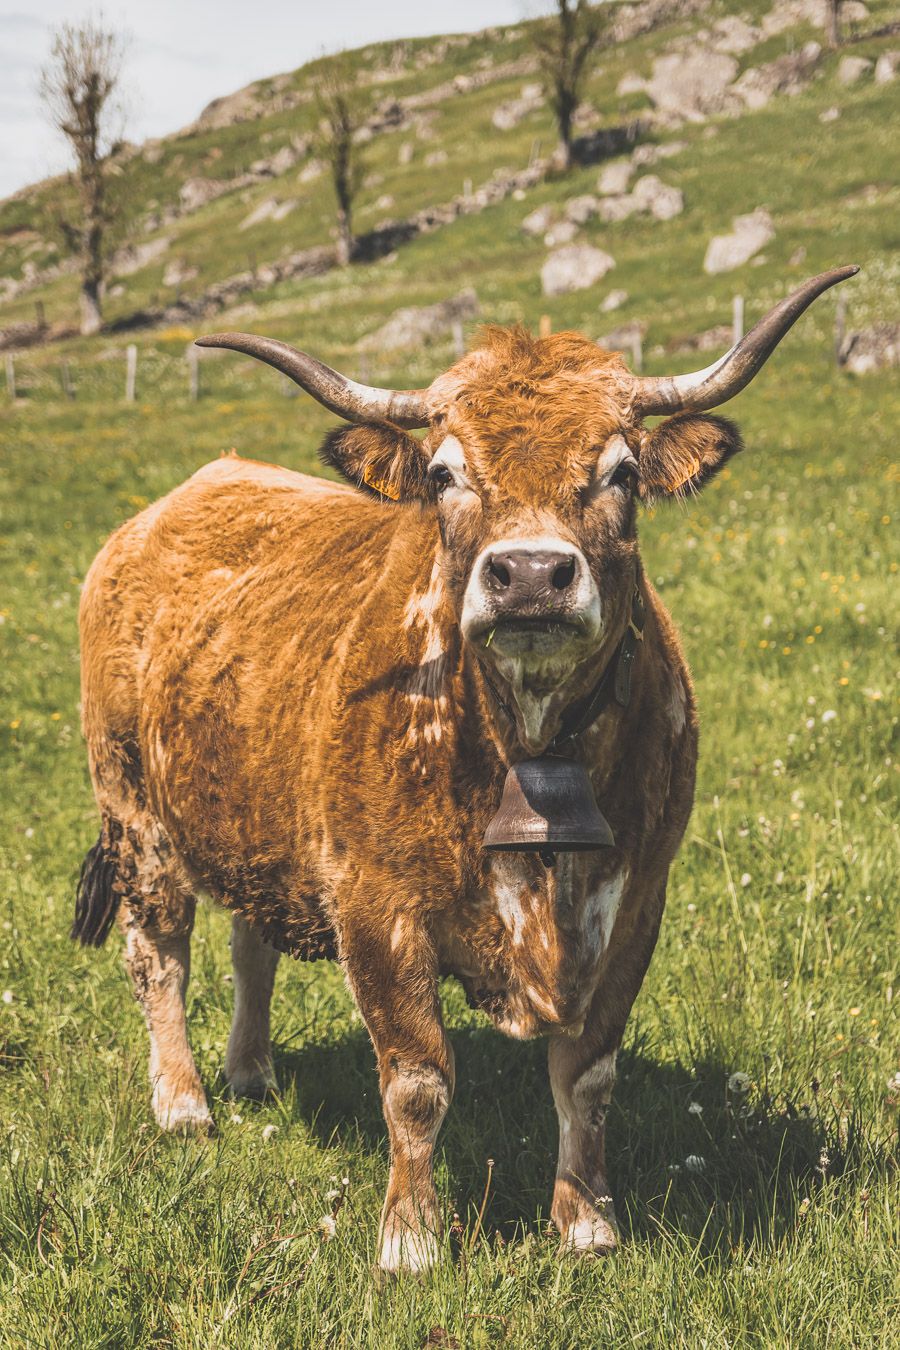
(254, 1086)
(183, 1115)
(590, 1236)
(404, 1252)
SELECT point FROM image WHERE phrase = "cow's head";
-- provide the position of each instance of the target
(535, 455)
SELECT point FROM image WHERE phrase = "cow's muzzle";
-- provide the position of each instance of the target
(526, 596)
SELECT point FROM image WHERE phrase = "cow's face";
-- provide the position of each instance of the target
(533, 464)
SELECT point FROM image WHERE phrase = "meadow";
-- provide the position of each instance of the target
(753, 1133)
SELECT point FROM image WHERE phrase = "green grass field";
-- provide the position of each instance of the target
(778, 955)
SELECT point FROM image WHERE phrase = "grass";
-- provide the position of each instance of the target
(778, 954)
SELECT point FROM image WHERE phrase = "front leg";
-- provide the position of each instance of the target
(582, 1080)
(393, 973)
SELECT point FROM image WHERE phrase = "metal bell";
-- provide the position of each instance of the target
(548, 807)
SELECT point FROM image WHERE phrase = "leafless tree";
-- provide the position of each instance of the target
(340, 117)
(565, 45)
(78, 88)
(833, 23)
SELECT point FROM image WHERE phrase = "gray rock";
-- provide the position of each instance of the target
(177, 273)
(788, 74)
(693, 84)
(581, 209)
(615, 300)
(875, 348)
(886, 67)
(643, 155)
(631, 84)
(574, 267)
(508, 115)
(415, 325)
(563, 232)
(660, 199)
(614, 178)
(612, 209)
(538, 222)
(749, 234)
(852, 68)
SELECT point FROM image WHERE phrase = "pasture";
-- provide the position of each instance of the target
(763, 1212)
(753, 1132)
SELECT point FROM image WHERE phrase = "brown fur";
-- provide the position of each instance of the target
(314, 744)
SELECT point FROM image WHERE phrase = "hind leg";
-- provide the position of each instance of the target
(248, 1059)
(156, 915)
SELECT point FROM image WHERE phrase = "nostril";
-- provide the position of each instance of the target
(499, 572)
(564, 575)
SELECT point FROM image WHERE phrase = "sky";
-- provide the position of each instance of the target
(184, 53)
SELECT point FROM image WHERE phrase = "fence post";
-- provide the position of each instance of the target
(65, 380)
(11, 376)
(288, 388)
(193, 356)
(737, 319)
(459, 341)
(467, 188)
(130, 372)
(637, 353)
(545, 327)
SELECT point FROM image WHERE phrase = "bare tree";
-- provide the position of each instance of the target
(78, 88)
(833, 23)
(565, 46)
(341, 117)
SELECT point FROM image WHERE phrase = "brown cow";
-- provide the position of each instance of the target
(303, 698)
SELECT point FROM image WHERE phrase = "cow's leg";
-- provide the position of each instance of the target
(582, 1081)
(394, 977)
(582, 1074)
(158, 958)
(248, 1059)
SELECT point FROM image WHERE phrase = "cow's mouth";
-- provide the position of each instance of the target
(529, 632)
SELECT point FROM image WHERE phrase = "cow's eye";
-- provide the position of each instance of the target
(440, 477)
(624, 475)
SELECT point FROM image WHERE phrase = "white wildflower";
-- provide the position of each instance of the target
(7, 996)
(236, 1119)
(269, 1132)
(746, 879)
(695, 1164)
(829, 715)
(695, 1109)
(327, 1227)
(739, 1083)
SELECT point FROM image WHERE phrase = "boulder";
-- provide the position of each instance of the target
(581, 209)
(660, 199)
(612, 209)
(652, 154)
(852, 69)
(788, 74)
(614, 178)
(563, 232)
(876, 348)
(415, 325)
(270, 209)
(538, 222)
(886, 67)
(177, 273)
(693, 84)
(614, 300)
(574, 267)
(631, 84)
(508, 115)
(132, 257)
(749, 234)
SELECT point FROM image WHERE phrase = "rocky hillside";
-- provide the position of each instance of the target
(715, 139)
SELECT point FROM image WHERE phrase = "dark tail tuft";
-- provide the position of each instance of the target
(95, 901)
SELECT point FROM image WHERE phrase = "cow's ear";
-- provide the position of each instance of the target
(683, 453)
(382, 461)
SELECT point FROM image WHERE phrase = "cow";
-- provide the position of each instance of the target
(302, 698)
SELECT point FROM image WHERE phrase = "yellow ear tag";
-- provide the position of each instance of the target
(380, 484)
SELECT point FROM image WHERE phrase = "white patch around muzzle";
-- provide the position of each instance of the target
(582, 606)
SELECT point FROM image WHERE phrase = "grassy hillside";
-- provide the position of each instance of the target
(778, 953)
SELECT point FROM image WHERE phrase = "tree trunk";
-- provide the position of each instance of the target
(345, 237)
(833, 23)
(91, 316)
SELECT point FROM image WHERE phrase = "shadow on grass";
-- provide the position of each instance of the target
(717, 1177)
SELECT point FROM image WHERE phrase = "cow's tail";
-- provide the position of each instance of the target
(96, 900)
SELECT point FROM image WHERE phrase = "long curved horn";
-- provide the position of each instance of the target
(733, 372)
(353, 401)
